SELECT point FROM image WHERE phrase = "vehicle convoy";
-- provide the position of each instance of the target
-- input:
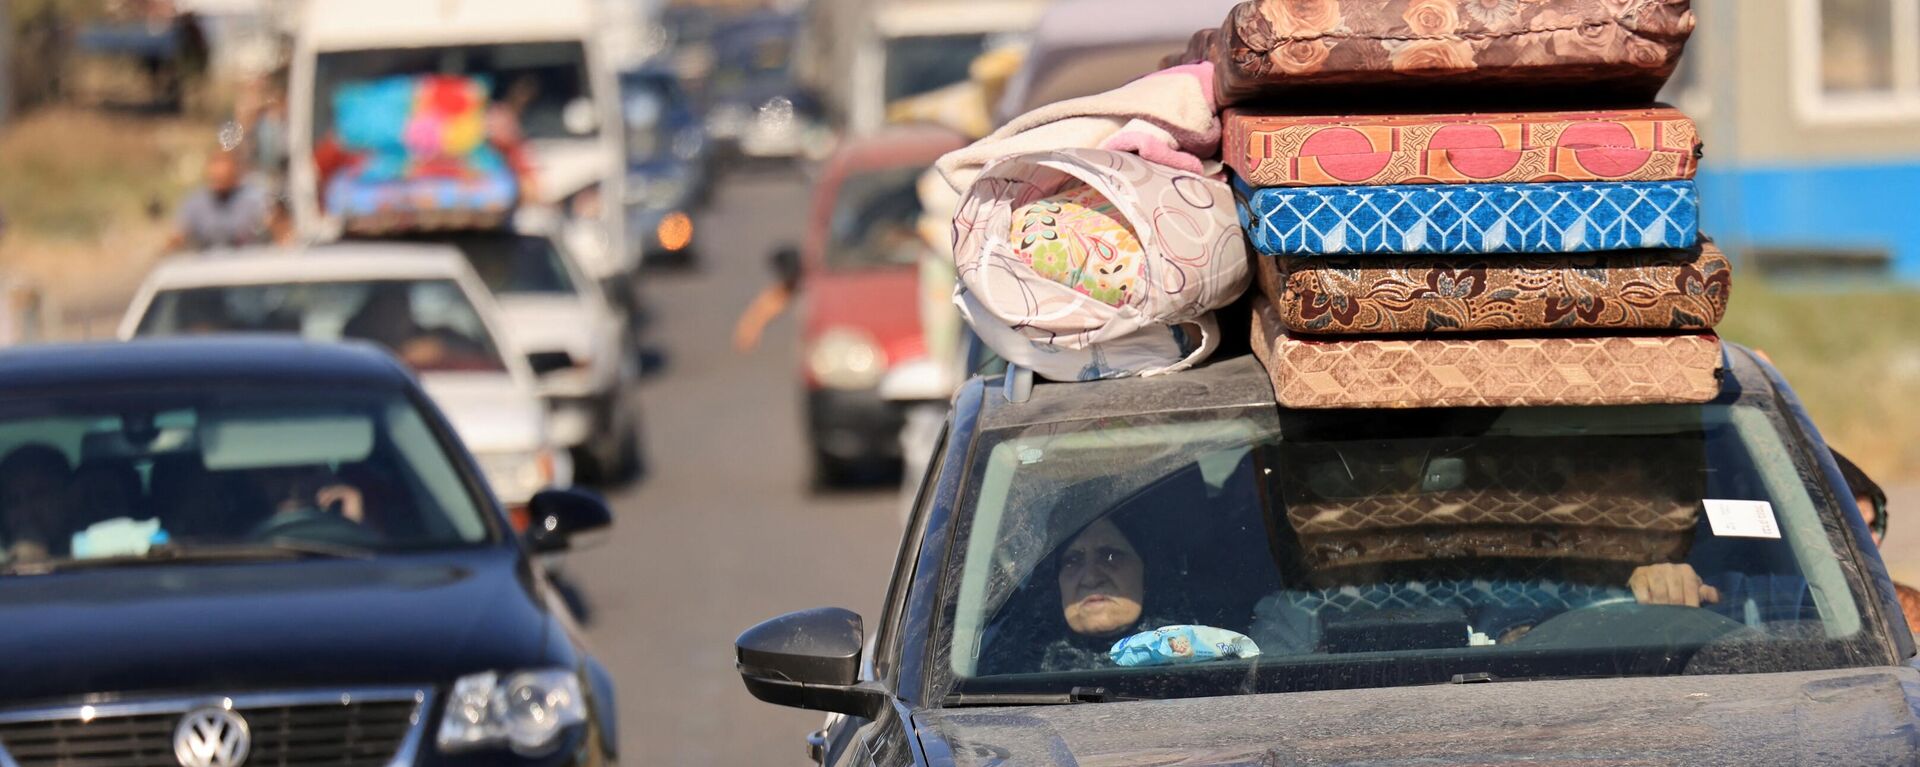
(580, 348)
(859, 268)
(542, 63)
(423, 302)
(1175, 569)
(269, 551)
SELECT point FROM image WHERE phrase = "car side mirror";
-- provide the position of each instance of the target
(556, 516)
(549, 362)
(785, 265)
(809, 659)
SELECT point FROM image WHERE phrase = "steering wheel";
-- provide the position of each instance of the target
(318, 526)
(1625, 622)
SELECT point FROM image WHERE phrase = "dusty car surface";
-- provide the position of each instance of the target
(1174, 570)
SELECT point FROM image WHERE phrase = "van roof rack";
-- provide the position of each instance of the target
(1017, 386)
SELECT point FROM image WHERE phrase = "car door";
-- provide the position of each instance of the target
(887, 740)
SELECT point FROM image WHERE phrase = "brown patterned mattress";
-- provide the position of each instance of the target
(1677, 290)
(1483, 372)
(1622, 499)
(1657, 144)
(1609, 51)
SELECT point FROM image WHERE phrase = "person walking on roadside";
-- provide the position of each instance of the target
(225, 212)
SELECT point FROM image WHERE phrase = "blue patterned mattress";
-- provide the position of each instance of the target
(1471, 218)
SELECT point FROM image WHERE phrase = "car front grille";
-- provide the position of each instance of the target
(336, 729)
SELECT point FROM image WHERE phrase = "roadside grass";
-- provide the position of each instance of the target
(78, 190)
(1853, 356)
(72, 174)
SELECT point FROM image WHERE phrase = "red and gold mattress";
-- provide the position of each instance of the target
(1269, 150)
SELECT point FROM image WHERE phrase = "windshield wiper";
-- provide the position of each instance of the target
(278, 549)
(1075, 695)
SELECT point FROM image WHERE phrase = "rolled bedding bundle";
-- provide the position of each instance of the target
(1634, 290)
(1084, 264)
(1430, 372)
(1471, 218)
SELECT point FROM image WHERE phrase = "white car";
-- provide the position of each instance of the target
(580, 348)
(422, 302)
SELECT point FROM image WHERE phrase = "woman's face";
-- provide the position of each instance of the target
(1102, 581)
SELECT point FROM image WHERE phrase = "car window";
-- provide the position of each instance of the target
(116, 475)
(1381, 548)
(511, 263)
(428, 324)
(875, 219)
(658, 121)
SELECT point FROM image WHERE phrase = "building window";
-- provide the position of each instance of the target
(1857, 59)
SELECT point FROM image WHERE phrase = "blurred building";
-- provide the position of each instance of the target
(861, 55)
(1810, 110)
(6, 62)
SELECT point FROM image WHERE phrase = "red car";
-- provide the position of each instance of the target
(858, 281)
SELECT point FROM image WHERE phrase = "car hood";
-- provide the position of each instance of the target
(238, 627)
(883, 302)
(490, 411)
(1852, 717)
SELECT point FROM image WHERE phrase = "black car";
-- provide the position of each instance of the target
(1174, 570)
(228, 552)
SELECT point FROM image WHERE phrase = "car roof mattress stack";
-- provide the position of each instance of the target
(1448, 203)
(1409, 255)
(418, 157)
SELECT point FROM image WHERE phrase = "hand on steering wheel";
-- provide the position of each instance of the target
(1671, 584)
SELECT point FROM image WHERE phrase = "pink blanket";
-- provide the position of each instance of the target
(1166, 117)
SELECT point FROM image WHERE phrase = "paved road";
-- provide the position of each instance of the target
(723, 532)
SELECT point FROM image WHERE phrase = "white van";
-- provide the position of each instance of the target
(552, 47)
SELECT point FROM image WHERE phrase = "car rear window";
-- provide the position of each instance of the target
(428, 324)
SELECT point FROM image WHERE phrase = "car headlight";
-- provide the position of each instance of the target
(674, 232)
(516, 476)
(845, 358)
(528, 710)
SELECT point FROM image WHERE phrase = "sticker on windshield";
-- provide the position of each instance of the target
(1742, 519)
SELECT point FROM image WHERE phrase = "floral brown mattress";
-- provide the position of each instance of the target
(1658, 290)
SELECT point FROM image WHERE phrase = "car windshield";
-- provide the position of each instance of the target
(656, 115)
(754, 53)
(513, 264)
(875, 220)
(428, 324)
(919, 64)
(137, 475)
(1287, 551)
(541, 78)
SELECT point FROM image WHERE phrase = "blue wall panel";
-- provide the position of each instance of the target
(1817, 206)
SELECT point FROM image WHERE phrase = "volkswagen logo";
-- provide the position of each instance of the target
(211, 737)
